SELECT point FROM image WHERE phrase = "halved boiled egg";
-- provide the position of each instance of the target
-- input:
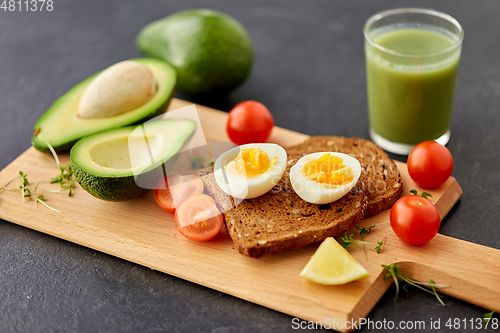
(249, 171)
(321, 178)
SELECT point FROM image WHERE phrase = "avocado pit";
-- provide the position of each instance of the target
(111, 102)
(118, 89)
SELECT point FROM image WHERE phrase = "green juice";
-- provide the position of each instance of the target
(410, 100)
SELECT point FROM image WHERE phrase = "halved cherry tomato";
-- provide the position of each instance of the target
(174, 189)
(430, 164)
(249, 122)
(415, 219)
(198, 218)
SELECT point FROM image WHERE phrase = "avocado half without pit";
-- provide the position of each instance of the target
(126, 93)
(120, 164)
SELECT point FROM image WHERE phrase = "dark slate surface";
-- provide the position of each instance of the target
(309, 71)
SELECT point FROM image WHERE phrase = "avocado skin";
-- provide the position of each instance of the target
(114, 189)
(42, 147)
(211, 51)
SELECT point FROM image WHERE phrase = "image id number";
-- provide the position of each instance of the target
(27, 5)
(477, 323)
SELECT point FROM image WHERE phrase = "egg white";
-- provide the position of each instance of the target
(313, 192)
(248, 188)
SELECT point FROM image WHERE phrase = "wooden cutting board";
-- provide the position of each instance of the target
(141, 232)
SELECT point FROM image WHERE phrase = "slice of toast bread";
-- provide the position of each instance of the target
(380, 178)
(280, 220)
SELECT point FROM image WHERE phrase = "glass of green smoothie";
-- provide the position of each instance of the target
(412, 59)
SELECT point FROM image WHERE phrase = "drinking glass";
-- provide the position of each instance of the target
(412, 58)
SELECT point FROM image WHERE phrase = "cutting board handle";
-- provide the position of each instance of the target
(472, 271)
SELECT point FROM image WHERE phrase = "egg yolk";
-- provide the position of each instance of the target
(328, 171)
(250, 163)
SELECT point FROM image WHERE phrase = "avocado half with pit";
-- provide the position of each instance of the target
(126, 93)
(120, 164)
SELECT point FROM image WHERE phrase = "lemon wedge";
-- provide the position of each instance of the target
(331, 264)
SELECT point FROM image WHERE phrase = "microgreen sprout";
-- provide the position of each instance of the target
(488, 316)
(347, 241)
(423, 194)
(10, 181)
(198, 162)
(26, 192)
(41, 199)
(362, 232)
(365, 230)
(380, 244)
(66, 178)
(395, 272)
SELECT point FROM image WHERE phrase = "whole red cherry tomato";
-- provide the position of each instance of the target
(249, 122)
(414, 219)
(430, 164)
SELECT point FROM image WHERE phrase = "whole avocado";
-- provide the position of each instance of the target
(211, 51)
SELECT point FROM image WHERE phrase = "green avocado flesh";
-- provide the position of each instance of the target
(120, 164)
(62, 127)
